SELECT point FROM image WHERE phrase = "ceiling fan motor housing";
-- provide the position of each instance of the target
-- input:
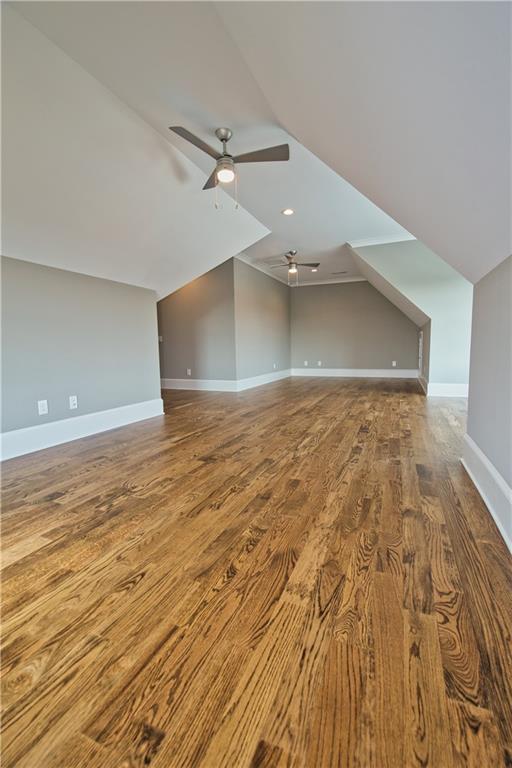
(223, 134)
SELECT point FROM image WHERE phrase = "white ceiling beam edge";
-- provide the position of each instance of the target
(380, 240)
(355, 279)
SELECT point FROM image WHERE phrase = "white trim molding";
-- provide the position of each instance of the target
(208, 385)
(446, 390)
(381, 240)
(358, 373)
(334, 281)
(225, 385)
(265, 378)
(492, 487)
(30, 439)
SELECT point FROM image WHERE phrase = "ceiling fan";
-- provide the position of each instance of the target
(292, 264)
(224, 170)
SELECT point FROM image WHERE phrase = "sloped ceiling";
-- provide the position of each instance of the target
(410, 102)
(88, 186)
(175, 63)
(390, 291)
(410, 271)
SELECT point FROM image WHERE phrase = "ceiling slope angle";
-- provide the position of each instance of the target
(147, 54)
(388, 289)
(410, 102)
(422, 284)
(90, 187)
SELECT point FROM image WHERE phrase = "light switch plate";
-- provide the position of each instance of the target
(42, 407)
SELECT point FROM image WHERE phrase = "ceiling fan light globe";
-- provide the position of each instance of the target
(292, 270)
(225, 175)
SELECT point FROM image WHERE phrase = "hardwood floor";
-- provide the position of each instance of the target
(298, 575)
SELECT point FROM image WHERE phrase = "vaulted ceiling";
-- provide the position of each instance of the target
(175, 63)
(408, 102)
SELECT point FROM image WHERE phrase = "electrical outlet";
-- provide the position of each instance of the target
(160, 338)
(319, 363)
(42, 407)
(189, 371)
(393, 363)
(275, 366)
(73, 402)
(306, 363)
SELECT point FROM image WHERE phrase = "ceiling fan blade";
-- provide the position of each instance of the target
(276, 266)
(281, 152)
(212, 180)
(197, 142)
(308, 264)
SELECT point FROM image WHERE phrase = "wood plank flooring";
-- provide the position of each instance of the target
(299, 575)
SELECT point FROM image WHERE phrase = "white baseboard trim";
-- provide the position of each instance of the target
(209, 385)
(423, 383)
(492, 487)
(447, 390)
(30, 439)
(359, 373)
(265, 378)
(225, 385)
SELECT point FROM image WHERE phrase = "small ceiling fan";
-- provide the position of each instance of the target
(292, 264)
(224, 170)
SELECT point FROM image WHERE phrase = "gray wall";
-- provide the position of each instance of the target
(440, 292)
(69, 334)
(197, 325)
(262, 322)
(235, 322)
(490, 381)
(425, 367)
(350, 325)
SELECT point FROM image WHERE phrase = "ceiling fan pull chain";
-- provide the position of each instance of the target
(217, 204)
(236, 192)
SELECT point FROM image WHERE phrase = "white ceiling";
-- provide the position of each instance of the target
(90, 187)
(175, 63)
(390, 291)
(410, 102)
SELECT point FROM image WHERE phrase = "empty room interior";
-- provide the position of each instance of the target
(256, 385)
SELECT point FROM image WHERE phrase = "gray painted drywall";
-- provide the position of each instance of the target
(350, 325)
(262, 322)
(439, 292)
(69, 334)
(490, 381)
(425, 363)
(197, 326)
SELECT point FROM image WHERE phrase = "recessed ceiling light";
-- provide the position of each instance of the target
(288, 212)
